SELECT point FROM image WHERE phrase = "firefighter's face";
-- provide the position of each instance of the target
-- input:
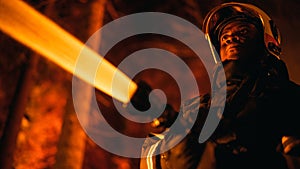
(239, 41)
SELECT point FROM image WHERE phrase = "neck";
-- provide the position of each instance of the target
(234, 69)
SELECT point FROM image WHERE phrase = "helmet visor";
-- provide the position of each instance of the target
(220, 17)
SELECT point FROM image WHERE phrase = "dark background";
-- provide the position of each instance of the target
(38, 126)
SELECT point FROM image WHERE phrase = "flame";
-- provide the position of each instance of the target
(36, 31)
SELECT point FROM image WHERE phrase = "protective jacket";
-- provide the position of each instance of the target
(261, 109)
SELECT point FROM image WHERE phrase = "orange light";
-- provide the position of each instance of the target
(36, 31)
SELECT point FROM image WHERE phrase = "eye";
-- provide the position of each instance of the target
(224, 37)
(243, 31)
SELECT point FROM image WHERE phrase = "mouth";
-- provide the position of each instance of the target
(232, 52)
(233, 48)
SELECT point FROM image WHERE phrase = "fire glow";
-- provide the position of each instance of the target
(36, 31)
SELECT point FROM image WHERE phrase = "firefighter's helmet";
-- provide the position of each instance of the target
(219, 16)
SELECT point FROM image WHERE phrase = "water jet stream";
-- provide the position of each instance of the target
(34, 30)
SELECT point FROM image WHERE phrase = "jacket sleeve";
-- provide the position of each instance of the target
(290, 120)
(179, 146)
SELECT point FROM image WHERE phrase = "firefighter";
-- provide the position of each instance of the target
(259, 126)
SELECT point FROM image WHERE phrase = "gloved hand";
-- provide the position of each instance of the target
(140, 101)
